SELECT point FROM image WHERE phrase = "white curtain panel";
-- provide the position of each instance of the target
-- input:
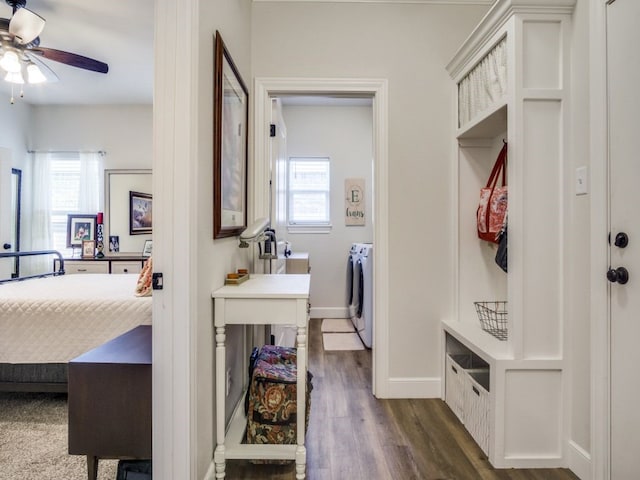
(484, 85)
(41, 233)
(90, 174)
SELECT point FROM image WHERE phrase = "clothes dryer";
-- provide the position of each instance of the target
(363, 320)
(353, 280)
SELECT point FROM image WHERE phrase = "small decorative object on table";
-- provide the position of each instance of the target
(493, 318)
(237, 278)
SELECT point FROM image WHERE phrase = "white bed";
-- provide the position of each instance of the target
(45, 322)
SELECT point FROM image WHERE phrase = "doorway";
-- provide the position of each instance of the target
(265, 90)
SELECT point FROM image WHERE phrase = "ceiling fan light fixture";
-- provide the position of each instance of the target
(10, 62)
(14, 77)
(26, 25)
(34, 74)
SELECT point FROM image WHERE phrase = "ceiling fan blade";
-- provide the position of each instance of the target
(72, 59)
(25, 26)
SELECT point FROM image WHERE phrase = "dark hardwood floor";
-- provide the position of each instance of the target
(354, 436)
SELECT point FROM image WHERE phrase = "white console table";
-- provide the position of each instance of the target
(263, 299)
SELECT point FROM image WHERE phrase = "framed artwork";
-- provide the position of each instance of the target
(79, 228)
(230, 123)
(148, 248)
(88, 248)
(140, 213)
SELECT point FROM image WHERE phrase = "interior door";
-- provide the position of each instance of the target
(623, 37)
(278, 160)
(6, 226)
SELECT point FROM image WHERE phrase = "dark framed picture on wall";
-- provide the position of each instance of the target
(230, 123)
(80, 227)
(140, 213)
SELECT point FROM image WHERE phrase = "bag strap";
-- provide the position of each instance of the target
(499, 167)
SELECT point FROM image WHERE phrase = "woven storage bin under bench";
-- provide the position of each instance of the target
(467, 394)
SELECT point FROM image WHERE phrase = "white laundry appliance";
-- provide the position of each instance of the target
(363, 319)
(352, 280)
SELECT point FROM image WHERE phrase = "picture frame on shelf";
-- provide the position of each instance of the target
(80, 227)
(147, 249)
(88, 248)
(140, 213)
(230, 145)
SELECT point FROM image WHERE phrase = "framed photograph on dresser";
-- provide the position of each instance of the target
(88, 248)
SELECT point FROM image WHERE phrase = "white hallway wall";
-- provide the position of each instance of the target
(344, 134)
(409, 44)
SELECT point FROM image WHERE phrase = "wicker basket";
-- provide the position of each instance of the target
(493, 318)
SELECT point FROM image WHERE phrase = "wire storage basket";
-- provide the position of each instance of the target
(493, 318)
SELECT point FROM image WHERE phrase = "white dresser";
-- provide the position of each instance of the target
(263, 299)
(101, 265)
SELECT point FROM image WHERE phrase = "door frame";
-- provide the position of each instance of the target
(377, 89)
(599, 216)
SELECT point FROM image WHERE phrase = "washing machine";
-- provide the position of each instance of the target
(363, 320)
(352, 280)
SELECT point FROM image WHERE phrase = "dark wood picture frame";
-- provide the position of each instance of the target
(80, 227)
(140, 213)
(230, 145)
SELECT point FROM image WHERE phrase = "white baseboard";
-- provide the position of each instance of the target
(425, 387)
(329, 312)
(579, 461)
(211, 472)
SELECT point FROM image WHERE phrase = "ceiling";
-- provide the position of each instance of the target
(117, 32)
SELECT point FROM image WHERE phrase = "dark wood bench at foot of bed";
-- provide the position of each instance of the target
(110, 400)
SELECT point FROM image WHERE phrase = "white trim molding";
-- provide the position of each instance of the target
(579, 461)
(600, 414)
(175, 149)
(415, 387)
(392, 2)
(267, 87)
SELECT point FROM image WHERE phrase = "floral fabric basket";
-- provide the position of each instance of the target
(272, 407)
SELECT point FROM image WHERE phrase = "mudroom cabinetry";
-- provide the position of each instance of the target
(511, 79)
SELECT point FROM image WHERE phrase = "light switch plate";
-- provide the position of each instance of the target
(581, 181)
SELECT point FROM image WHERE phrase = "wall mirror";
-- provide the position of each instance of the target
(118, 183)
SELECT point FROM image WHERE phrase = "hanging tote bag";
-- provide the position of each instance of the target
(493, 201)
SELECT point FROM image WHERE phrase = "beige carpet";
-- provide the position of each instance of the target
(342, 341)
(337, 325)
(34, 441)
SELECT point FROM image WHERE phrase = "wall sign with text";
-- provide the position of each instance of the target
(354, 201)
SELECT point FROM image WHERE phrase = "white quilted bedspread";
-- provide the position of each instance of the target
(55, 319)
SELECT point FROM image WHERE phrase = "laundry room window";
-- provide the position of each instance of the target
(308, 192)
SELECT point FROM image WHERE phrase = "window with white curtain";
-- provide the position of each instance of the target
(308, 191)
(63, 183)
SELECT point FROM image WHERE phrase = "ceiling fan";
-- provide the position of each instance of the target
(21, 53)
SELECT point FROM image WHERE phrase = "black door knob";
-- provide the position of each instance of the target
(6, 246)
(622, 240)
(618, 275)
